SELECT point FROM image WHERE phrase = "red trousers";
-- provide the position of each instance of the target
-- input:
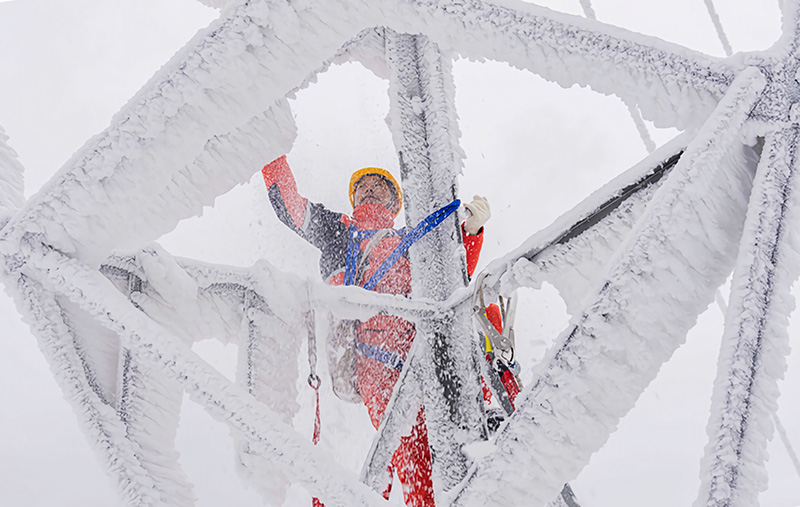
(411, 460)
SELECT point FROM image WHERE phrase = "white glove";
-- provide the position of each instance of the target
(479, 213)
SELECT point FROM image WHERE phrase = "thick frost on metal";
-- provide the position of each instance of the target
(99, 420)
(217, 111)
(154, 345)
(671, 85)
(656, 284)
(425, 132)
(572, 252)
(755, 342)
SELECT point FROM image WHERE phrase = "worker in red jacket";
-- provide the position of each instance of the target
(354, 251)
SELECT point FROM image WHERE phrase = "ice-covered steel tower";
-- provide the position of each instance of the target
(720, 198)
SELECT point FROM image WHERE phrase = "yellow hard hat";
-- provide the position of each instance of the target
(380, 172)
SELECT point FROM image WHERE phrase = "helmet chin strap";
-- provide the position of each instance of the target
(391, 203)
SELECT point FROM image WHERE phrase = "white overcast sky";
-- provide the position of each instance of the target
(533, 148)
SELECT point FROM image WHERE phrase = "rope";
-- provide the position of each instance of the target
(644, 134)
(726, 46)
(313, 379)
(588, 11)
(636, 115)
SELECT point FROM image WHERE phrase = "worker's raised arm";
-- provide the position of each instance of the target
(289, 205)
(323, 228)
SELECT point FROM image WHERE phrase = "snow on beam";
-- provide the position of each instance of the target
(673, 86)
(575, 261)
(212, 103)
(268, 370)
(180, 290)
(425, 134)
(271, 299)
(659, 281)
(311, 467)
(208, 119)
(790, 15)
(99, 421)
(88, 213)
(577, 265)
(224, 162)
(190, 308)
(97, 347)
(755, 342)
(366, 48)
(215, 306)
(399, 417)
(599, 214)
(149, 404)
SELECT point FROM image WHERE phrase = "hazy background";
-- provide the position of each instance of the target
(533, 148)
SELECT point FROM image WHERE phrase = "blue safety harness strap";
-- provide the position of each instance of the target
(356, 237)
(390, 359)
(421, 229)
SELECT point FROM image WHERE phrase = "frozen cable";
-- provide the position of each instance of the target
(786, 443)
(587, 9)
(636, 116)
(726, 46)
